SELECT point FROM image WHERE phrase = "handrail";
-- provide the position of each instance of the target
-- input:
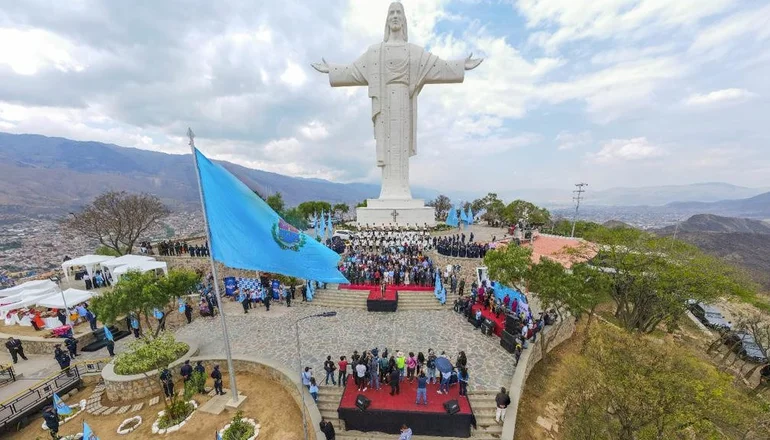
(54, 375)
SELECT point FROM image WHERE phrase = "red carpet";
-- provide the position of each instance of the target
(376, 295)
(499, 322)
(405, 401)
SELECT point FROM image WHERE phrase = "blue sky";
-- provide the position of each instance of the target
(609, 92)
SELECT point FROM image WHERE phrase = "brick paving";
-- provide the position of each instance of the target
(271, 335)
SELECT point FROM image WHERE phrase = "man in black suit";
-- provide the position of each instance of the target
(15, 348)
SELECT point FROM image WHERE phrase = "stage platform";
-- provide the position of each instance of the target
(377, 303)
(485, 313)
(387, 414)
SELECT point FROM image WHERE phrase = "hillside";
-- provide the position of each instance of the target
(716, 223)
(755, 207)
(43, 174)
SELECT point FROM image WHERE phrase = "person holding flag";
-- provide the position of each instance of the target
(110, 341)
(51, 418)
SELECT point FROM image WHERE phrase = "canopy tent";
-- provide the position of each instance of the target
(71, 296)
(88, 261)
(37, 284)
(26, 302)
(124, 260)
(29, 293)
(142, 266)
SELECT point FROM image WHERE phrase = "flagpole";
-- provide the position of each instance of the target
(230, 369)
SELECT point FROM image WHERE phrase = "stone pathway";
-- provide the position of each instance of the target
(271, 335)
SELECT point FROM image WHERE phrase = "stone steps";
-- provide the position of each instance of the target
(358, 435)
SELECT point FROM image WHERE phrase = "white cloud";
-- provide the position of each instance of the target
(719, 97)
(726, 33)
(294, 75)
(29, 51)
(625, 150)
(314, 130)
(568, 141)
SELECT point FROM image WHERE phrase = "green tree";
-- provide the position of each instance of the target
(295, 218)
(314, 207)
(442, 204)
(141, 293)
(526, 211)
(650, 279)
(630, 387)
(340, 209)
(361, 204)
(510, 265)
(583, 229)
(117, 219)
(275, 201)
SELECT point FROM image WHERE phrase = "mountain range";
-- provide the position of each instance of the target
(40, 174)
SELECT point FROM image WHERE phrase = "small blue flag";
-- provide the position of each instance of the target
(330, 227)
(61, 407)
(219, 436)
(108, 334)
(470, 216)
(247, 234)
(451, 218)
(157, 313)
(322, 227)
(88, 433)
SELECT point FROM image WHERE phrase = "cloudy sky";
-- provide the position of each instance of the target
(609, 92)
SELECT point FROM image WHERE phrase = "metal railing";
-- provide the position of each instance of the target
(7, 374)
(15, 409)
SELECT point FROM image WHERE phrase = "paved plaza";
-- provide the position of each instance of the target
(271, 335)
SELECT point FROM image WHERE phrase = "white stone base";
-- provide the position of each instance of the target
(234, 405)
(379, 212)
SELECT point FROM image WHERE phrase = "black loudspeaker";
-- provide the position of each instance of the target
(487, 329)
(452, 407)
(472, 319)
(509, 337)
(509, 346)
(511, 323)
(362, 402)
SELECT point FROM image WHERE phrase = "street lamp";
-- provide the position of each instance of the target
(299, 358)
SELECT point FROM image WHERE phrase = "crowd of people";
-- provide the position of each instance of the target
(170, 248)
(375, 240)
(392, 268)
(456, 246)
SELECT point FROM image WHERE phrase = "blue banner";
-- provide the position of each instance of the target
(230, 286)
(88, 433)
(61, 407)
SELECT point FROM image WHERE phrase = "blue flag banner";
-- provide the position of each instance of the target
(322, 227)
(470, 216)
(157, 313)
(61, 407)
(247, 234)
(451, 218)
(230, 286)
(108, 334)
(330, 227)
(219, 436)
(463, 216)
(88, 433)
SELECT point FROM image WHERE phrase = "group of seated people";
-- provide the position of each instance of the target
(456, 246)
(401, 241)
(389, 268)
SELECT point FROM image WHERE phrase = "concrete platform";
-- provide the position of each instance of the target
(379, 212)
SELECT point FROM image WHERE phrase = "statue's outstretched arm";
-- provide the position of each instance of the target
(322, 67)
(471, 63)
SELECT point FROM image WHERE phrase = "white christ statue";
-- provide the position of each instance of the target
(395, 72)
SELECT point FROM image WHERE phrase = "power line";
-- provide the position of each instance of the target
(578, 195)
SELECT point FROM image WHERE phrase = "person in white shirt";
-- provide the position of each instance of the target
(406, 433)
(361, 376)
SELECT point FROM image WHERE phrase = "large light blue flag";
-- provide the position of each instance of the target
(247, 234)
(108, 334)
(451, 218)
(463, 216)
(470, 216)
(330, 227)
(61, 407)
(88, 433)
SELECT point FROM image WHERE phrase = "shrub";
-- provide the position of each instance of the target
(150, 354)
(239, 429)
(175, 413)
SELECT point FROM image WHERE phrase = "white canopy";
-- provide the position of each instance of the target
(125, 259)
(72, 296)
(88, 261)
(37, 284)
(26, 302)
(29, 293)
(142, 266)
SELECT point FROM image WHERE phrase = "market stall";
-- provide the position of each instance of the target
(90, 262)
(64, 300)
(142, 266)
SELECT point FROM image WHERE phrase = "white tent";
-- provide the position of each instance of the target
(142, 266)
(88, 261)
(125, 259)
(26, 302)
(73, 297)
(37, 284)
(29, 293)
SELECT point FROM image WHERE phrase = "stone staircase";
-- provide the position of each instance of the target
(482, 402)
(333, 297)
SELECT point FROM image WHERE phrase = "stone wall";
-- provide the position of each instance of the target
(529, 358)
(278, 373)
(122, 388)
(45, 346)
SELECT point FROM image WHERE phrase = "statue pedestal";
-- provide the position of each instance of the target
(401, 212)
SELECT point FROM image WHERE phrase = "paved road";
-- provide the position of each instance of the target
(271, 334)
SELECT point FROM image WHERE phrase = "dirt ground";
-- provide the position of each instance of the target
(268, 403)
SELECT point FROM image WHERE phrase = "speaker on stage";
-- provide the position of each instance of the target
(452, 407)
(509, 346)
(487, 326)
(509, 337)
(362, 402)
(511, 323)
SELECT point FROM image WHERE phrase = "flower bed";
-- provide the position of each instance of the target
(146, 354)
(77, 408)
(240, 428)
(129, 425)
(156, 427)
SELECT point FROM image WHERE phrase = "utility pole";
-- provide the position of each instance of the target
(578, 195)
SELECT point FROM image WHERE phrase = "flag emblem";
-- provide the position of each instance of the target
(287, 236)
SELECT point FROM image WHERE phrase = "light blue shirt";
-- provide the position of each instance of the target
(406, 435)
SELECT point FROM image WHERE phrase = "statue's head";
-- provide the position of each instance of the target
(396, 22)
